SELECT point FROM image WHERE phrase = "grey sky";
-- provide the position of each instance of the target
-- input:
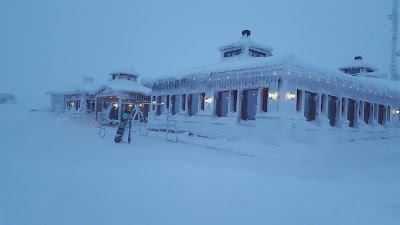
(49, 44)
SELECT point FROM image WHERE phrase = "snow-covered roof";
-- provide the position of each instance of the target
(126, 71)
(274, 63)
(246, 42)
(123, 85)
(358, 63)
(84, 87)
(374, 75)
(224, 66)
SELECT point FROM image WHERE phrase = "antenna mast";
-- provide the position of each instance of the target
(395, 29)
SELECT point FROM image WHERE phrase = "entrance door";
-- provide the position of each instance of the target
(249, 104)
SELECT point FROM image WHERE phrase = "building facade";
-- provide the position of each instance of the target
(252, 87)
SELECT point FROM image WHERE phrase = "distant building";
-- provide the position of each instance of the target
(7, 98)
(70, 97)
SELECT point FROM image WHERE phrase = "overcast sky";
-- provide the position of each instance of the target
(49, 44)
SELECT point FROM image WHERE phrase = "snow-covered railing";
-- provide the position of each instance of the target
(46, 109)
(79, 116)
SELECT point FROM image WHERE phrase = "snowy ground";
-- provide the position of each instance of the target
(56, 171)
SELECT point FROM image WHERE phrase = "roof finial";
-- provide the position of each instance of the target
(246, 33)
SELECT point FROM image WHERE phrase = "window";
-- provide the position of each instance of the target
(175, 99)
(367, 112)
(352, 71)
(323, 99)
(222, 103)
(249, 104)
(343, 105)
(167, 104)
(256, 53)
(381, 114)
(350, 112)
(153, 100)
(332, 108)
(310, 106)
(232, 53)
(299, 100)
(202, 100)
(264, 99)
(160, 106)
(183, 104)
(193, 104)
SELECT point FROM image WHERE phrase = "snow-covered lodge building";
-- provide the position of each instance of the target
(104, 101)
(251, 87)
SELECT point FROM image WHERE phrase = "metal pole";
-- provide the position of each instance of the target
(395, 20)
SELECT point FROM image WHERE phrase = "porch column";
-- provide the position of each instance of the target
(338, 112)
(119, 107)
(239, 105)
(187, 104)
(361, 112)
(259, 100)
(95, 108)
(356, 113)
(230, 102)
(318, 102)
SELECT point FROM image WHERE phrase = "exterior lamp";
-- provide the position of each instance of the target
(154, 102)
(290, 96)
(396, 112)
(273, 95)
(208, 100)
(115, 105)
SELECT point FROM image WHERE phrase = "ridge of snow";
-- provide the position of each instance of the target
(122, 85)
(82, 87)
(358, 64)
